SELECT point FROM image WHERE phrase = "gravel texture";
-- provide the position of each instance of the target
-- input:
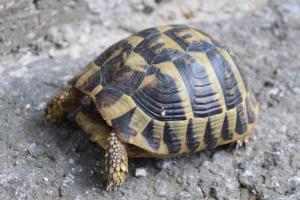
(43, 44)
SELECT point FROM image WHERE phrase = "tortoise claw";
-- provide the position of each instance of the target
(242, 143)
(235, 146)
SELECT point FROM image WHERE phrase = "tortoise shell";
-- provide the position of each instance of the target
(171, 90)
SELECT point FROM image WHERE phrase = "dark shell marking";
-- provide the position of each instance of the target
(171, 140)
(214, 86)
(148, 133)
(192, 141)
(209, 138)
(226, 78)
(241, 121)
(226, 133)
(122, 127)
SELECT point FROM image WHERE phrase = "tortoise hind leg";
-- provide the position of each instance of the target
(116, 162)
(58, 107)
(237, 145)
(242, 143)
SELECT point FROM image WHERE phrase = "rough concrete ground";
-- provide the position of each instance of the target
(42, 161)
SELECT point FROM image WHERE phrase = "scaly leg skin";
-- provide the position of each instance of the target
(58, 107)
(116, 162)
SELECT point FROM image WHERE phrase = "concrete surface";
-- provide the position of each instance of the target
(44, 43)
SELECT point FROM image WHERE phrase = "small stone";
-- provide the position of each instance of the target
(294, 181)
(16, 163)
(80, 169)
(283, 129)
(71, 161)
(189, 15)
(45, 179)
(35, 150)
(164, 164)
(140, 172)
(253, 191)
(162, 188)
(41, 106)
(183, 195)
(52, 53)
(274, 92)
(27, 107)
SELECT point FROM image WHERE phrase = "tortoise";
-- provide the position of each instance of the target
(161, 92)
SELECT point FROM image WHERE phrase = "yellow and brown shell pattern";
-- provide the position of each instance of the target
(171, 90)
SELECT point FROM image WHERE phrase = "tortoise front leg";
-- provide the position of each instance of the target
(116, 162)
(58, 107)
